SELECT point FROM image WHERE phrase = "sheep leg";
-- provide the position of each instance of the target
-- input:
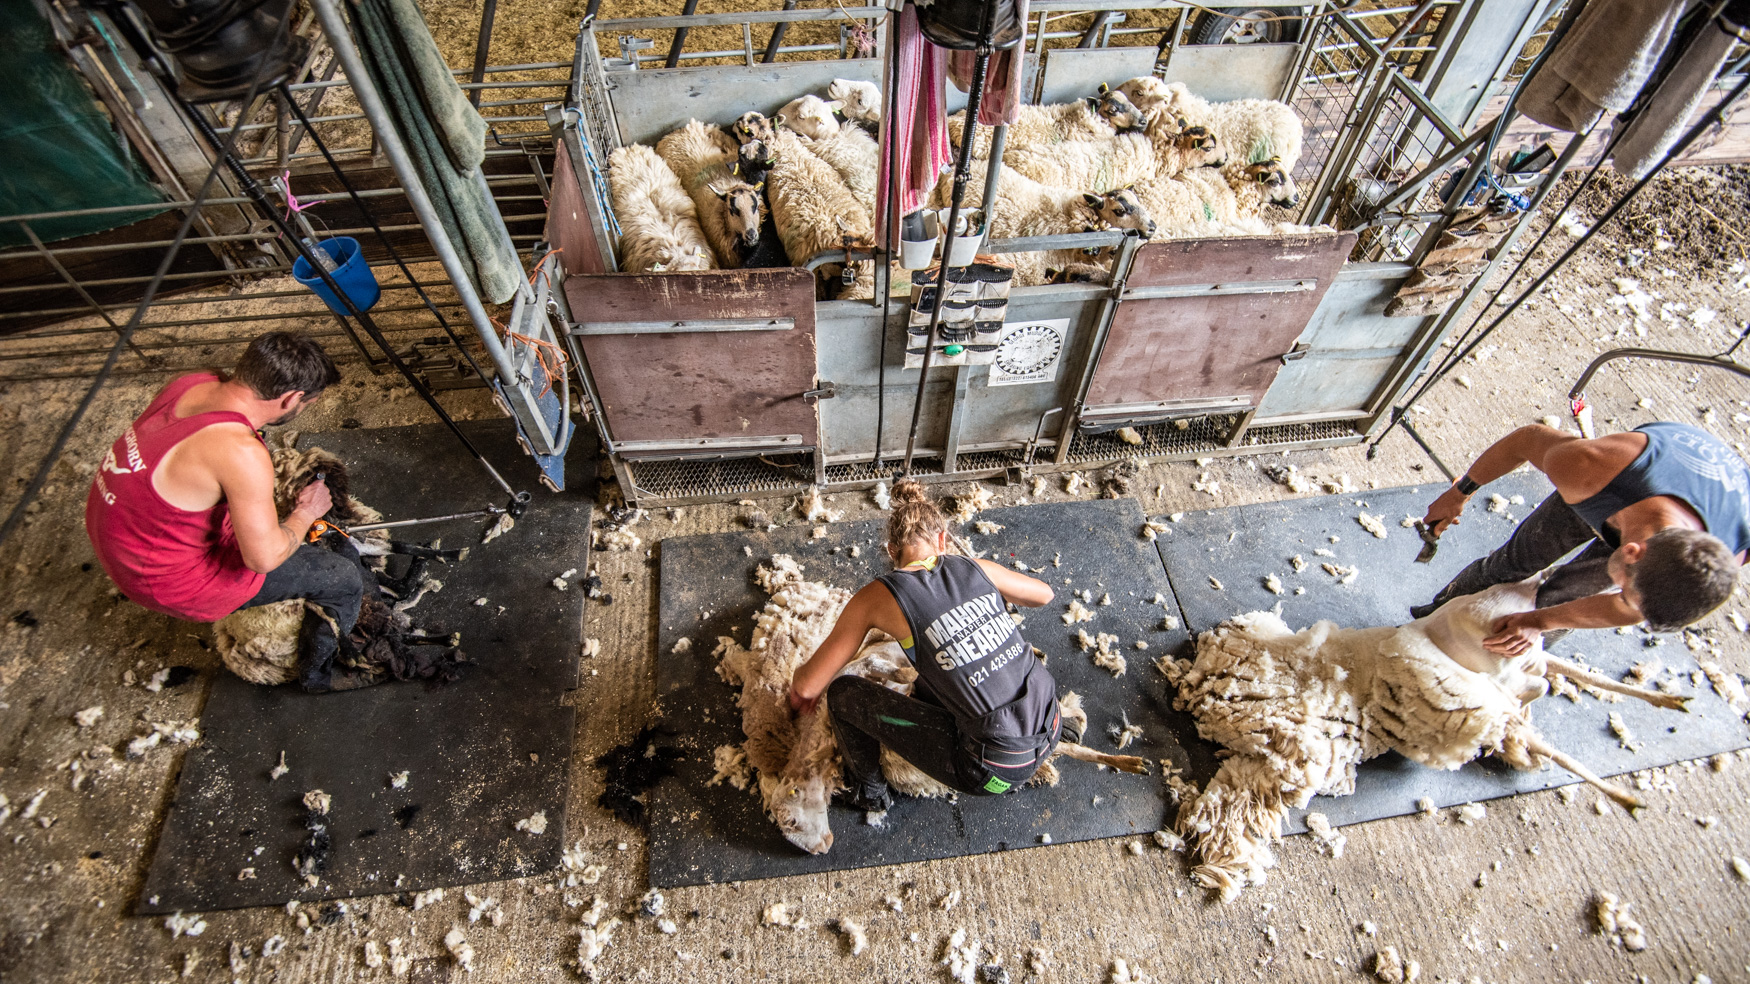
(428, 553)
(1123, 763)
(1537, 746)
(1554, 667)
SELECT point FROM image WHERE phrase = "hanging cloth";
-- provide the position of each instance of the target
(1002, 78)
(444, 135)
(917, 122)
(1602, 62)
(1666, 114)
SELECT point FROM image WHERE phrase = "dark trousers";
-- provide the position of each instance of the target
(334, 579)
(866, 715)
(1541, 539)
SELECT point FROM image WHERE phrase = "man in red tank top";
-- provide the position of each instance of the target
(181, 512)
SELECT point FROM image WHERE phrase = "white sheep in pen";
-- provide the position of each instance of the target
(1253, 130)
(1092, 118)
(859, 101)
(1218, 202)
(1026, 208)
(814, 211)
(730, 210)
(1298, 711)
(810, 116)
(851, 152)
(1161, 150)
(1145, 92)
(796, 758)
(659, 224)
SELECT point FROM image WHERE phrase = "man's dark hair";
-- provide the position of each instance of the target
(1681, 576)
(282, 362)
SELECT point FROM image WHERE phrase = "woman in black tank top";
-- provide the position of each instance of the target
(983, 714)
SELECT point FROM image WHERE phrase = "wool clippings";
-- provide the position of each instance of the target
(1616, 921)
(536, 824)
(1471, 813)
(1373, 524)
(181, 925)
(1330, 839)
(856, 939)
(88, 716)
(1391, 968)
(280, 769)
(1077, 613)
(460, 949)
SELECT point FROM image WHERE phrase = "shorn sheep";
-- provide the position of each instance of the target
(814, 211)
(795, 759)
(659, 224)
(260, 644)
(1298, 711)
(730, 211)
(1091, 118)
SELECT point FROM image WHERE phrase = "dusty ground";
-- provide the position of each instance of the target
(68, 884)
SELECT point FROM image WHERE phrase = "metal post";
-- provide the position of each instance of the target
(1092, 34)
(962, 171)
(680, 36)
(993, 168)
(481, 48)
(771, 55)
(371, 102)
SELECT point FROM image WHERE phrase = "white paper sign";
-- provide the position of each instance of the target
(1028, 352)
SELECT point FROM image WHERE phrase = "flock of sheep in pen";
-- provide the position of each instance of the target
(1147, 156)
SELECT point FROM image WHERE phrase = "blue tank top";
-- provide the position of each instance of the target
(969, 656)
(1685, 463)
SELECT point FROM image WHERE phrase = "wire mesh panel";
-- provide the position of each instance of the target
(1326, 93)
(1401, 140)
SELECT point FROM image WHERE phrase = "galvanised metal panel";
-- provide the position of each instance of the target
(1071, 73)
(650, 102)
(1220, 72)
(1352, 346)
(848, 339)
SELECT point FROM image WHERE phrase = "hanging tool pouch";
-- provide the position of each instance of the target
(958, 23)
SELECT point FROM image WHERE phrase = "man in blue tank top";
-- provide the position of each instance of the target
(1663, 512)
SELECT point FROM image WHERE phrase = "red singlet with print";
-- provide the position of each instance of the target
(184, 564)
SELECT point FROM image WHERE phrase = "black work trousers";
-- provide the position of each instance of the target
(866, 715)
(1541, 539)
(335, 580)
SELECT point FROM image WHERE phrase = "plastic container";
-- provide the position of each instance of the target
(962, 250)
(917, 239)
(352, 273)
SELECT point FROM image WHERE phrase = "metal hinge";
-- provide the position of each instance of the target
(1298, 352)
(826, 392)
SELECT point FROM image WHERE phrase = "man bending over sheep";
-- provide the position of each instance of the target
(1663, 512)
(182, 514)
(985, 716)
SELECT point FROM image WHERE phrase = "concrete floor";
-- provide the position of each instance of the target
(69, 876)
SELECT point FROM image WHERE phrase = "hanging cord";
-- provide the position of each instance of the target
(377, 229)
(1463, 349)
(38, 480)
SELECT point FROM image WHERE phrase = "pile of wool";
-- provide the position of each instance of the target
(1298, 711)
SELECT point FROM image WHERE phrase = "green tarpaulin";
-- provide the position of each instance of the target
(60, 150)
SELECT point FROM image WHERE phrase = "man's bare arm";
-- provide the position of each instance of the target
(245, 474)
(1533, 443)
(1514, 634)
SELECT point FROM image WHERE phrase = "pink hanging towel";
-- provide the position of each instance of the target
(918, 121)
(1001, 101)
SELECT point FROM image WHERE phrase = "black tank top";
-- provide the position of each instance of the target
(969, 655)
(1685, 463)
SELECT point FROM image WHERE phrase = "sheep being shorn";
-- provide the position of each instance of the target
(814, 212)
(1298, 711)
(796, 758)
(260, 644)
(659, 224)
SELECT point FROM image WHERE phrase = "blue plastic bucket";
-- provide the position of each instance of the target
(352, 273)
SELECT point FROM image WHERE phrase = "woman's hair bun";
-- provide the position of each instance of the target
(908, 490)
